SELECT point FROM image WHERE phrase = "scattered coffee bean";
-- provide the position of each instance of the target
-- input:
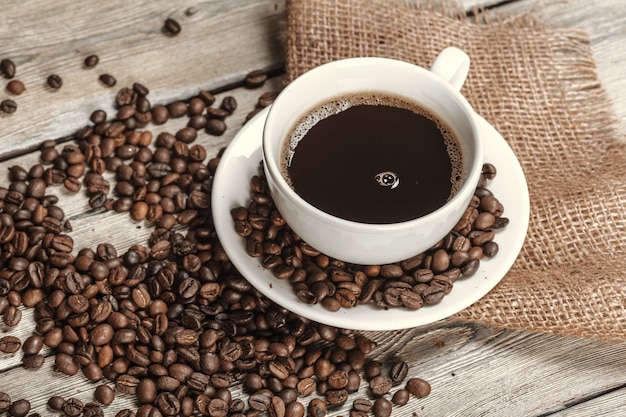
(73, 407)
(7, 67)
(91, 61)
(108, 80)
(8, 106)
(54, 81)
(418, 387)
(10, 344)
(5, 401)
(171, 27)
(16, 87)
(19, 408)
(255, 79)
(215, 127)
(381, 408)
(56, 402)
(229, 103)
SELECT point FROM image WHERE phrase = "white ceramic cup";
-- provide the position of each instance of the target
(436, 89)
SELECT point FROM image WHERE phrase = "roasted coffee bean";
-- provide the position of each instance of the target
(400, 397)
(168, 404)
(259, 401)
(215, 127)
(229, 103)
(7, 68)
(381, 408)
(317, 408)
(146, 391)
(73, 407)
(380, 385)
(10, 344)
(267, 98)
(12, 316)
(255, 79)
(19, 408)
(54, 81)
(336, 397)
(108, 80)
(32, 345)
(127, 384)
(398, 371)
(418, 387)
(65, 364)
(15, 87)
(93, 410)
(56, 402)
(91, 61)
(8, 106)
(5, 401)
(33, 361)
(171, 27)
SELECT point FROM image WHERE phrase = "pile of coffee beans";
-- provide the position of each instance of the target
(421, 280)
(170, 321)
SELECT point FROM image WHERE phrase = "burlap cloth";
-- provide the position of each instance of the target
(538, 86)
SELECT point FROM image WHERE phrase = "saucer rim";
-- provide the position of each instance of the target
(247, 145)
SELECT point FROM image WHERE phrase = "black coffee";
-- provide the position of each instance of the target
(373, 159)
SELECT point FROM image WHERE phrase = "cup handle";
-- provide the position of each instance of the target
(452, 64)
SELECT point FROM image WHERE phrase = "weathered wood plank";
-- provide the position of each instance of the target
(219, 43)
(610, 404)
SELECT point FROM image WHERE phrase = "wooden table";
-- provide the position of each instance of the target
(473, 369)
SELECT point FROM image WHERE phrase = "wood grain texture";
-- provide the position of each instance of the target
(474, 370)
(219, 43)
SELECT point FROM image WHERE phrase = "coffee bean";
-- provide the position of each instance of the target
(380, 385)
(168, 404)
(7, 67)
(12, 316)
(19, 408)
(108, 80)
(267, 98)
(16, 87)
(32, 345)
(215, 127)
(259, 401)
(5, 401)
(10, 344)
(91, 61)
(229, 103)
(33, 361)
(398, 371)
(8, 106)
(400, 397)
(317, 408)
(171, 27)
(255, 79)
(418, 387)
(382, 408)
(56, 402)
(73, 407)
(54, 81)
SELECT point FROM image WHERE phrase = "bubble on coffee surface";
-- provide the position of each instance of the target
(336, 105)
(388, 179)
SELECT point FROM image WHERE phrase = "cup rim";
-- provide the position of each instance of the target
(272, 170)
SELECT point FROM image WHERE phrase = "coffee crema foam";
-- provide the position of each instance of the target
(339, 104)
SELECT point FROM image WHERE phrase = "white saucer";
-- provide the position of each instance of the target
(240, 162)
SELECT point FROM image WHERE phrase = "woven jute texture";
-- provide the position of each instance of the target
(538, 87)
